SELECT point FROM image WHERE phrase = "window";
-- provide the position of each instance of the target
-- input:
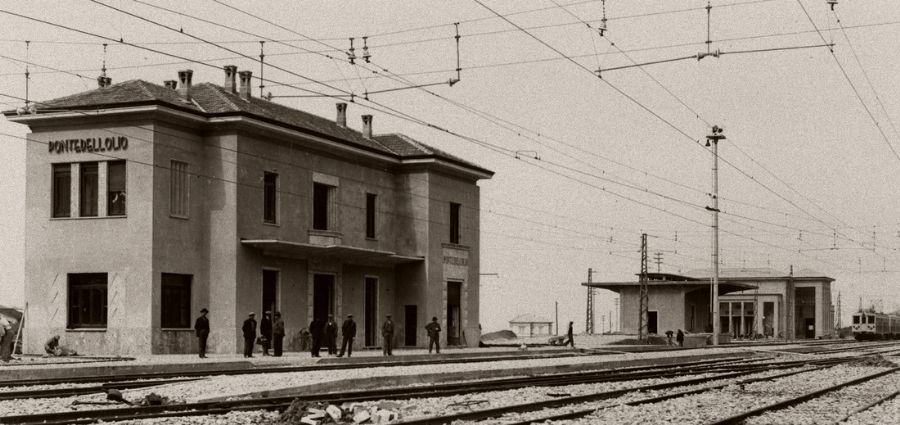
(270, 199)
(89, 189)
(855, 320)
(454, 223)
(321, 199)
(115, 188)
(87, 300)
(370, 215)
(179, 190)
(176, 300)
(62, 190)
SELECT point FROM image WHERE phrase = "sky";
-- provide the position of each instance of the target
(584, 164)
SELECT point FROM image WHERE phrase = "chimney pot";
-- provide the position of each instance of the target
(367, 126)
(184, 83)
(341, 114)
(230, 76)
(171, 84)
(245, 88)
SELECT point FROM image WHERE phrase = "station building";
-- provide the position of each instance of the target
(751, 302)
(146, 203)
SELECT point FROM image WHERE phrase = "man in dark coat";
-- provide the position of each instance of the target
(331, 335)
(249, 330)
(571, 336)
(201, 326)
(348, 330)
(265, 330)
(434, 335)
(315, 329)
(278, 334)
(680, 338)
(387, 332)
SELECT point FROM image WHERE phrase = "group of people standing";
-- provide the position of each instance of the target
(271, 334)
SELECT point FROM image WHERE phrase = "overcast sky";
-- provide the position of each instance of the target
(807, 178)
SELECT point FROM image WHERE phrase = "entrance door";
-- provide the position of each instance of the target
(454, 290)
(371, 313)
(809, 328)
(323, 296)
(410, 320)
(269, 291)
(651, 322)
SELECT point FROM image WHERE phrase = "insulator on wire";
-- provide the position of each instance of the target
(351, 54)
(366, 54)
(831, 3)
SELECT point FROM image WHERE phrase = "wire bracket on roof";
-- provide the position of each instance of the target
(262, 81)
(602, 28)
(103, 67)
(351, 54)
(366, 54)
(831, 3)
(458, 68)
(708, 39)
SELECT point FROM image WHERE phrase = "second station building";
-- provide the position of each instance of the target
(146, 203)
(752, 303)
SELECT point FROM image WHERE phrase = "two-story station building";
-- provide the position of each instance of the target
(146, 203)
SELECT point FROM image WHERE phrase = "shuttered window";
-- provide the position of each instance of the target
(179, 190)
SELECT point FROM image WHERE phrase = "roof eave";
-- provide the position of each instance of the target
(454, 167)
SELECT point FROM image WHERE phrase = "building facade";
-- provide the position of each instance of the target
(528, 325)
(752, 302)
(146, 203)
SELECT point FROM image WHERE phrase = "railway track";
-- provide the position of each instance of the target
(281, 403)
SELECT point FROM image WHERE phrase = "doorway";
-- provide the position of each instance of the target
(651, 323)
(323, 296)
(269, 291)
(454, 292)
(410, 317)
(371, 313)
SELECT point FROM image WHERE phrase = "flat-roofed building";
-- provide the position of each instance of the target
(528, 325)
(146, 203)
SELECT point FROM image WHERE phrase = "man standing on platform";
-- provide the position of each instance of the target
(316, 327)
(348, 330)
(331, 335)
(434, 335)
(249, 330)
(7, 339)
(571, 336)
(201, 326)
(278, 334)
(387, 332)
(265, 331)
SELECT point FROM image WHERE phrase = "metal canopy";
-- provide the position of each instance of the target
(341, 253)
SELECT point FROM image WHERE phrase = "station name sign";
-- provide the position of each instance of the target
(91, 144)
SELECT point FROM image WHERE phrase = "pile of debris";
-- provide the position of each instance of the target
(313, 413)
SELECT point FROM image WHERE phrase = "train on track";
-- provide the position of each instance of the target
(869, 325)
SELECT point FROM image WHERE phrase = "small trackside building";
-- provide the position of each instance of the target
(146, 203)
(752, 302)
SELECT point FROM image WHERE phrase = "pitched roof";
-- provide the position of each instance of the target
(529, 318)
(211, 100)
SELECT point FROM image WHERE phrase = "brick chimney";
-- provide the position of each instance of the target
(184, 83)
(230, 76)
(171, 84)
(341, 114)
(367, 126)
(103, 81)
(245, 89)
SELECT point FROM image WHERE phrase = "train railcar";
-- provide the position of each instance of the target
(869, 325)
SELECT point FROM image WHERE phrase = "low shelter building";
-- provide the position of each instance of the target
(146, 203)
(528, 325)
(752, 303)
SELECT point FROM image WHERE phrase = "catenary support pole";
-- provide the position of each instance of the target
(713, 140)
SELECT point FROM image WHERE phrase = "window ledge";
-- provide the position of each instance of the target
(88, 218)
(266, 223)
(177, 329)
(329, 233)
(456, 246)
(372, 239)
(86, 330)
(179, 217)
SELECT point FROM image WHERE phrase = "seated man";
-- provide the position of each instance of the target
(53, 348)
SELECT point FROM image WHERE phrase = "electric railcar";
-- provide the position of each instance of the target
(868, 325)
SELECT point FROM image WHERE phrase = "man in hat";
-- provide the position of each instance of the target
(348, 330)
(316, 330)
(201, 326)
(331, 335)
(278, 334)
(265, 330)
(434, 335)
(387, 332)
(249, 330)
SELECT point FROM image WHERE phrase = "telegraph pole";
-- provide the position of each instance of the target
(618, 316)
(645, 298)
(556, 309)
(658, 258)
(713, 139)
(589, 321)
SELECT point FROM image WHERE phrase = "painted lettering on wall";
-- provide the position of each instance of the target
(91, 144)
(456, 261)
